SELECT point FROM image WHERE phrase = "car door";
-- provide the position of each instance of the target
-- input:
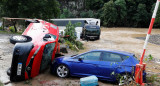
(87, 66)
(109, 63)
(47, 56)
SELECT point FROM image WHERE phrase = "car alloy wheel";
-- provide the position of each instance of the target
(62, 71)
(20, 38)
(125, 80)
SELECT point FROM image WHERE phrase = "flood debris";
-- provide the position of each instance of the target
(155, 39)
(6, 83)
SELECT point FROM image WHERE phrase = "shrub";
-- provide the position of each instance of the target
(88, 14)
(11, 28)
(71, 40)
(152, 78)
(71, 45)
(79, 45)
(67, 14)
(0, 28)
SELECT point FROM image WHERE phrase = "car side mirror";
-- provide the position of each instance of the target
(80, 59)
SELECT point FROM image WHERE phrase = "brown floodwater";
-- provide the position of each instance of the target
(123, 39)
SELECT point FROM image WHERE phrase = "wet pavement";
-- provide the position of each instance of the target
(123, 39)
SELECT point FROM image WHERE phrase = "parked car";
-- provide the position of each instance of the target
(34, 50)
(105, 64)
(90, 31)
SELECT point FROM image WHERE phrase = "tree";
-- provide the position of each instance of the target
(41, 9)
(66, 14)
(70, 30)
(93, 4)
(122, 12)
(157, 19)
(71, 40)
(109, 16)
(142, 16)
(88, 14)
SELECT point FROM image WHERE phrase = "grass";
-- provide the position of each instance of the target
(5, 32)
(153, 78)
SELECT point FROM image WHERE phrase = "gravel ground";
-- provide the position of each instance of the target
(155, 39)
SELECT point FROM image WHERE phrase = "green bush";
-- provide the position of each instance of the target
(71, 40)
(88, 14)
(71, 45)
(79, 45)
(11, 28)
(152, 78)
(0, 28)
(67, 14)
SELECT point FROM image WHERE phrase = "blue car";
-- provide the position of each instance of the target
(110, 65)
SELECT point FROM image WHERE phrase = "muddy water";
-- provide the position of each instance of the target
(124, 39)
(111, 38)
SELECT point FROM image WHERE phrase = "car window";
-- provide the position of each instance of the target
(112, 57)
(91, 56)
(125, 57)
(47, 56)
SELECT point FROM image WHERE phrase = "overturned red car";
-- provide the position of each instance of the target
(34, 50)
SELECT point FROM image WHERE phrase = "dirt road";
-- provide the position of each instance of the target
(111, 38)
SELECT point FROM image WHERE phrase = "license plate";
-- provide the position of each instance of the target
(19, 68)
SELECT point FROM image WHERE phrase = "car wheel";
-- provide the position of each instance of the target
(125, 80)
(20, 39)
(62, 71)
(98, 37)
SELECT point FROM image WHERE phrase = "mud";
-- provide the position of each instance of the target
(123, 39)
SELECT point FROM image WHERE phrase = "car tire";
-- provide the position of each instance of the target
(98, 37)
(62, 71)
(9, 71)
(20, 39)
(125, 79)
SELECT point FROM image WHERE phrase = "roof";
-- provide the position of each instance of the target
(74, 19)
(118, 52)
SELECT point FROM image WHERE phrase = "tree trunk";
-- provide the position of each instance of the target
(14, 24)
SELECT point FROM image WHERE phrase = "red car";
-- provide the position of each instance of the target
(34, 50)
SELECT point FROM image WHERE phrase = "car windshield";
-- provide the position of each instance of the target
(53, 36)
(92, 30)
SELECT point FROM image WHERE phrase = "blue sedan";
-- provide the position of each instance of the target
(110, 65)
